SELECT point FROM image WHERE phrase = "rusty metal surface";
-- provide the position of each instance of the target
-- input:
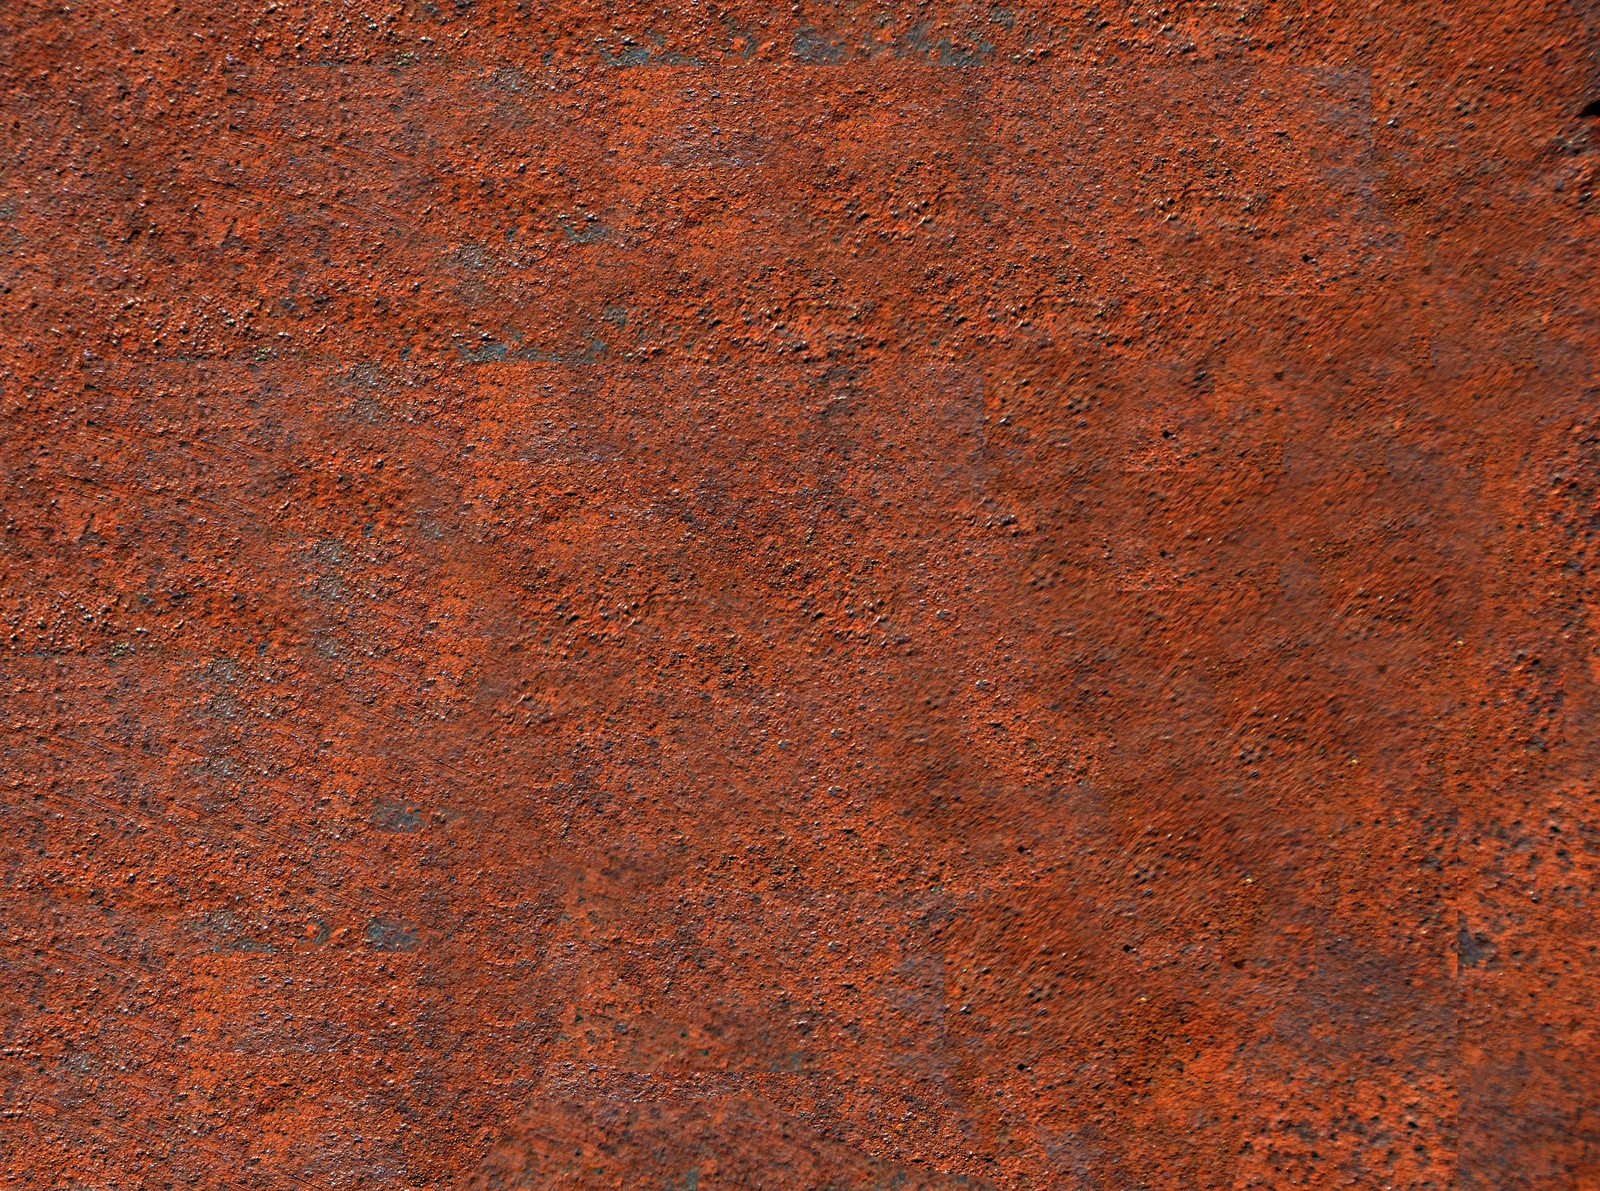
(819, 598)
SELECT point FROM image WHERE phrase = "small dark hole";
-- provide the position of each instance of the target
(1591, 110)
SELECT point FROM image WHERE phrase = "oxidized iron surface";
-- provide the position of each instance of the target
(836, 597)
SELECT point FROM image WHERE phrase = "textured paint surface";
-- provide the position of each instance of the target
(835, 597)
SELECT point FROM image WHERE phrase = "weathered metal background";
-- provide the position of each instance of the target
(830, 597)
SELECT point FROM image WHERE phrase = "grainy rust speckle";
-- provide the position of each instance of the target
(825, 597)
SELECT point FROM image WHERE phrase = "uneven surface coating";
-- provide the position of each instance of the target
(836, 597)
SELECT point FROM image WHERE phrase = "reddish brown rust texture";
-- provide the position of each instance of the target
(697, 597)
